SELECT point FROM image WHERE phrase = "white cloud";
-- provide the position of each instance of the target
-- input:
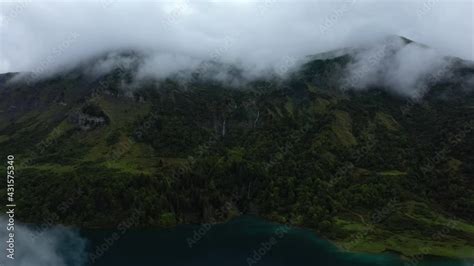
(393, 64)
(263, 34)
(49, 246)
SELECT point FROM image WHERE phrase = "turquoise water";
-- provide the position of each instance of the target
(244, 241)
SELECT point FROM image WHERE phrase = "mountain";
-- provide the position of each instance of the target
(367, 167)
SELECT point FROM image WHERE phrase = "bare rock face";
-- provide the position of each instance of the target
(86, 122)
(89, 117)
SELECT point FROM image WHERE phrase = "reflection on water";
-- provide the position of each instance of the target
(245, 241)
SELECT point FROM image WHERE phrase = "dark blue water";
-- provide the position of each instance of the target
(244, 241)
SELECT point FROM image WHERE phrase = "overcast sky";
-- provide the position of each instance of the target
(49, 34)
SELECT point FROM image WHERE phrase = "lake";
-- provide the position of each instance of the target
(242, 241)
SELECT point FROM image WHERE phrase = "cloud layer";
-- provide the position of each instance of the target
(46, 246)
(392, 63)
(44, 35)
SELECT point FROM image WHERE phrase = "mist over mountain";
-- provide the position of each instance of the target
(46, 37)
(352, 119)
(237, 41)
(392, 63)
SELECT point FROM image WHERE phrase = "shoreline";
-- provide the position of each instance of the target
(336, 243)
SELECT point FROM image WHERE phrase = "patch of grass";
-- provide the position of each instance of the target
(4, 138)
(122, 111)
(55, 168)
(386, 121)
(342, 128)
(350, 225)
(320, 105)
(420, 231)
(392, 173)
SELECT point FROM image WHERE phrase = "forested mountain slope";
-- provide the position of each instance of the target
(370, 169)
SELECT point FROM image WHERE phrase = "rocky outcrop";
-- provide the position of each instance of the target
(89, 117)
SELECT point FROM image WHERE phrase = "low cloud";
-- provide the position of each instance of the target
(394, 64)
(53, 246)
(259, 37)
